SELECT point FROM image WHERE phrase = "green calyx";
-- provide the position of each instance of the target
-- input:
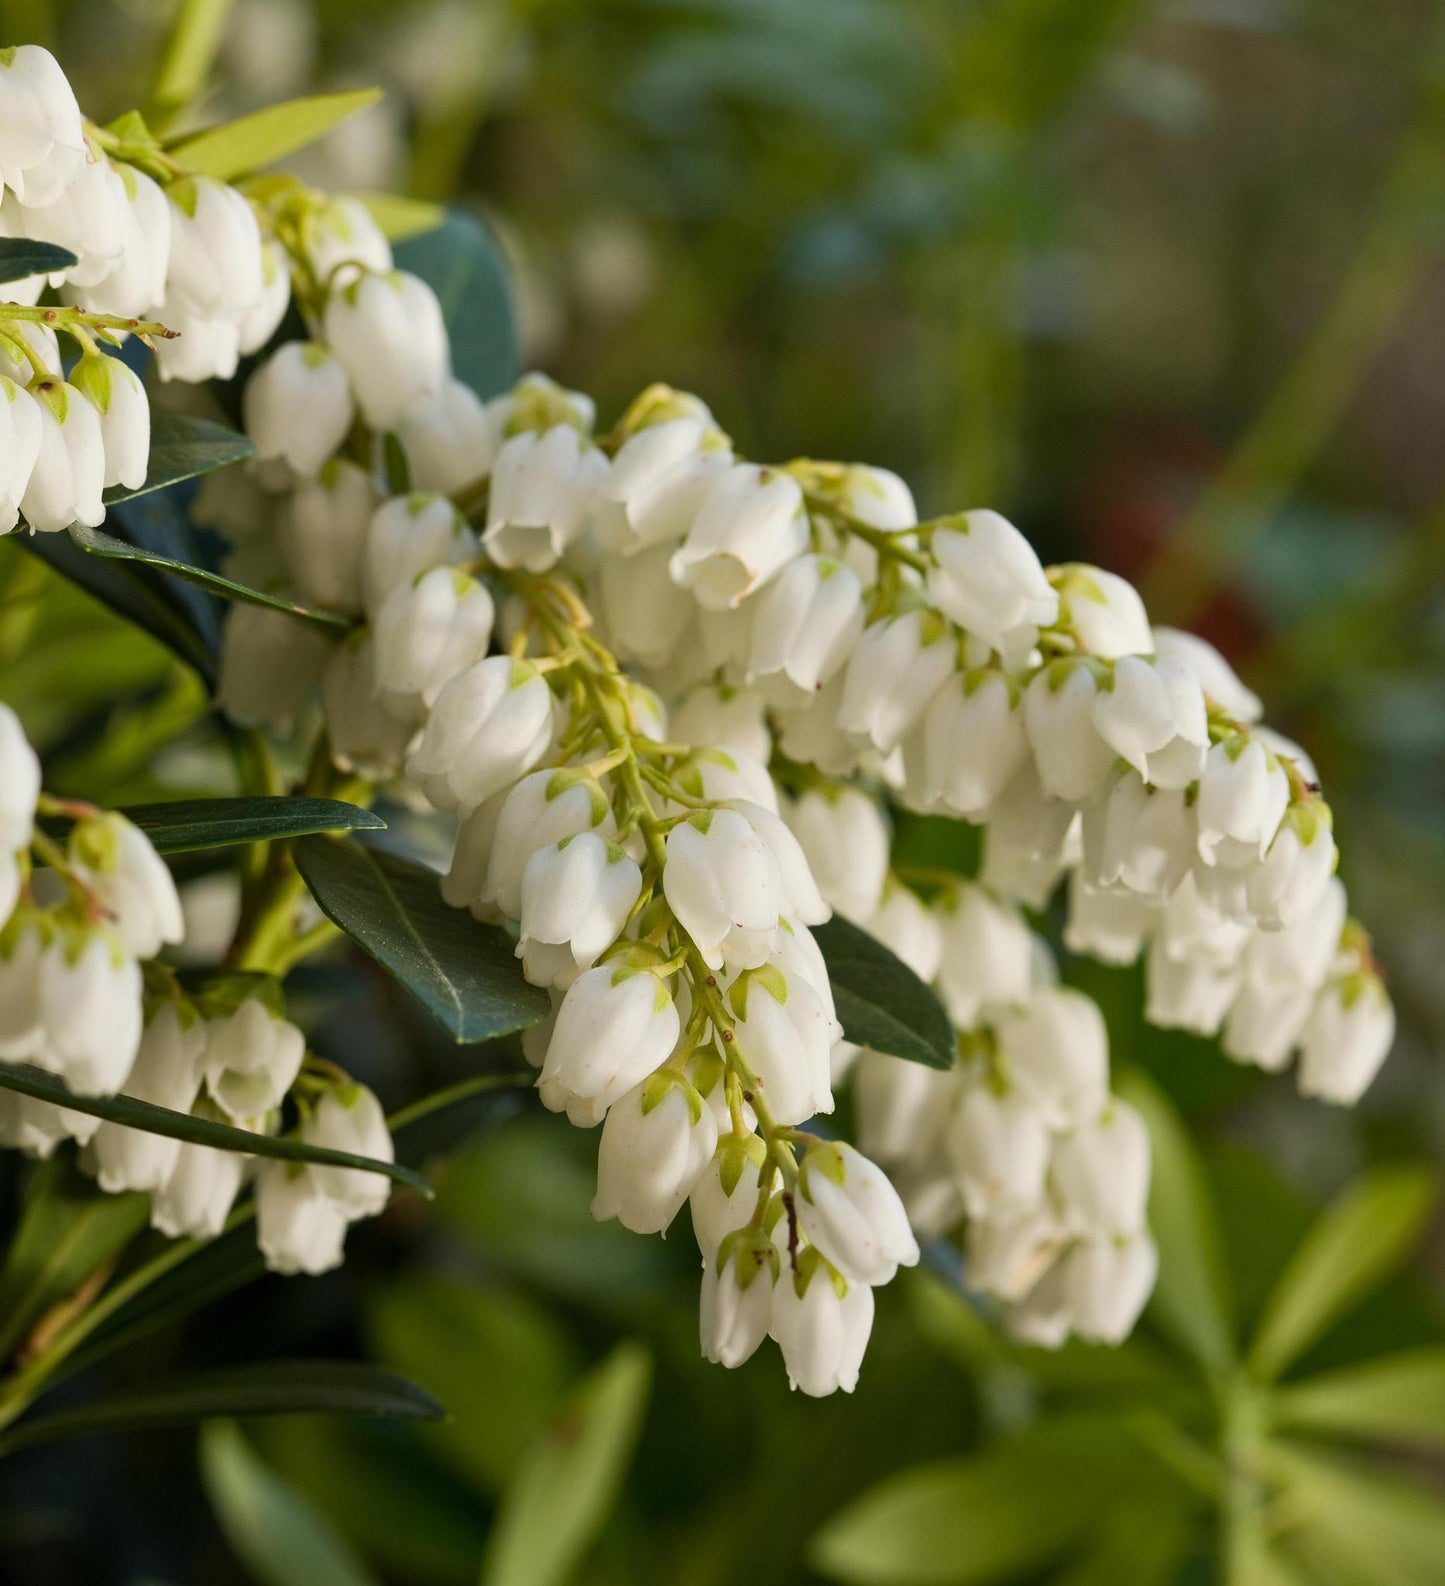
(810, 1263)
(222, 995)
(768, 976)
(753, 1252)
(658, 1085)
(95, 843)
(94, 378)
(734, 1152)
(823, 1157)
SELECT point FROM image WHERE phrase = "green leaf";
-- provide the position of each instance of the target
(68, 1231)
(188, 825)
(402, 218)
(880, 1001)
(1362, 1237)
(184, 447)
(1016, 1508)
(562, 1493)
(19, 257)
(251, 143)
(1398, 1399)
(462, 263)
(464, 974)
(147, 1116)
(264, 1387)
(273, 1530)
(1356, 1525)
(98, 543)
(1192, 1300)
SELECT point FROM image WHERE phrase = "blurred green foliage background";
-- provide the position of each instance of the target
(1161, 281)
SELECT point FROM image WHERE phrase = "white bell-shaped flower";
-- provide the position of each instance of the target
(19, 783)
(205, 347)
(750, 525)
(1265, 1022)
(852, 1213)
(998, 1143)
(348, 1117)
(1300, 955)
(577, 896)
(387, 329)
(1139, 838)
(115, 391)
(730, 718)
(897, 666)
(197, 1196)
(616, 1024)
(543, 809)
(1348, 1037)
(989, 580)
(20, 430)
(656, 483)
(805, 627)
(90, 1007)
(69, 473)
(24, 940)
(656, 1143)
(215, 264)
(987, 959)
(1100, 1172)
(1288, 884)
(903, 1108)
(1102, 611)
(541, 484)
(42, 145)
(644, 618)
(340, 238)
(969, 745)
(299, 1228)
(1186, 993)
(297, 406)
(1151, 713)
(489, 726)
(363, 738)
(845, 841)
(1108, 1282)
(427, 633)
(1056, 1054)
(784, 1032)
(735, 1307)
(117, 861)
(87, 217)
(167, 1073)
(822, 1325)
(408, 536)
(722, 882)
(1007, 1256)
(1243, 794)
(723, 1198)
(263, 319)
(324, 535)
(908, 929)
(136, 280)
(800, 895)
(252, 1059)
(448, 439)
(1214, 674)
(1110, 926)
(270, 663)
(1072, 759)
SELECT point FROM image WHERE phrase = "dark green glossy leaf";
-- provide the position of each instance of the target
(584, 1454)
(199, 1131)
(1363, 1236)
(462, 263)
(250, 143)
(281, 1539)
(184, 447)
(265, 1387)
(99, 543)
(19, 257)
(464, 974)
(881, 1002)
(188, 825)
(68, 1231)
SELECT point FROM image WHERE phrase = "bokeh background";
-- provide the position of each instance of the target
(1161, 280)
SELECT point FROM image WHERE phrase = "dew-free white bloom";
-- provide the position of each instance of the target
(721, 880)
(1300, 955)
(136, 279)
(1186, 994)
(1243, 794)
(614, 1027)
(730, 718)
(69, 472)
(1056, 1054)
(388, 331)
(297, 406)
(733, 1320)
(1348, 1037)
(1103, 611)
(987, 958)
(19, 783)
(822, 1333)
(799, 892)
(576, 898)
(348, 1117)
(656, 483)
(723, 1198)
(19, 448)
(989, 580)
(215, 263)
(427, 633)
(845, 841)
(489, 726)
(118, 863)
(1152, 715)
(969, 746)
(115, 391)
(1108, 1282)
(1008, 1255)
(1215, 675)
(543, 809)
(851, 1212)
(785, 1033)
(1139, 838)
(205, 347)
(540, 488)
(261, 321)
(998, 1143)
(897, 667)
(167, 1073)
(804, 628)
(270, 663)
(1101, 1172)
(1072, 759)
(645, 618)
(750, 525)
(1265, 1022)
(656, 1143)
(1109, 926)
(362, 737)
(23, 940)
(1289, 882)
(298, 1227)
(42, 146)
(197, 1197)
(252, 1059)
(448, 439)
(341, 238)
(908, 929)
(325, 531)
(408, 536)
(90, 1007)
(86, 217)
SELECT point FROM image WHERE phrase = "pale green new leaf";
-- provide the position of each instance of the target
(1400, 1398)
(253, 142)
(400, 218)
(564, 1490)
(278, 1535)
(1358, 1241)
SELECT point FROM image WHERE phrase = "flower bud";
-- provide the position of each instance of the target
(252, 1059)
(167, 1073)
(325, 535)
(409, 536)
(297, 406)
(388, 332)
(656, 1143)
(118, 863)
(750, 525)
(448, 439)
(988, 579)
(615, 1026)
(577, 896)
(115, 392)
(898, 665)
(427, 633)
(539, 492)
(721, 880)
(489, 725)
(821, 1324)
(69, 473)
(850, 1211)
(800, 896)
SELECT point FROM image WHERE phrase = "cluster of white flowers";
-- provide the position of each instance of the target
(79, 999)
(602, 654)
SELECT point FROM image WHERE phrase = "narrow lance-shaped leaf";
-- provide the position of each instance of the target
(1399, 1399)
(1361, 1237)
(98, 543)
(184, 446)
(267, 1387)
(145, 1115)
(464, 974)
(190, 825)
(252, 142)
(19, 257)
(881, 1003)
